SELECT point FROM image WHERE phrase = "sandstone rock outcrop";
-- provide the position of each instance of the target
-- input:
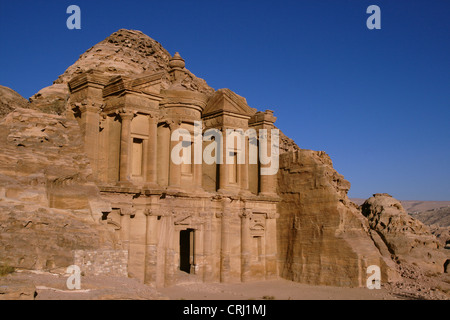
(126, 53)
(438, 219)
(322, 236)
(437, 216)
(408, 239)
(10, 100)
(49, 205)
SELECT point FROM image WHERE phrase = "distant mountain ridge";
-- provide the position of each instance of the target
(429, 212)
(413, 206)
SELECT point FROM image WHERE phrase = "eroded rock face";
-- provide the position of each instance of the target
(126, 53)
(407, 238)
(438, 220)
(10, 100)
(322, 237)
(48, 204)
(287, 144)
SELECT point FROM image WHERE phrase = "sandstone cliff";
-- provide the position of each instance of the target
(48, 204)
(322, 236)
(10, 100)
(407, 238)
(420, 258)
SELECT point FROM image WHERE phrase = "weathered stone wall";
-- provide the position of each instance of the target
(102, 262)
(322, 238)
(49, 205)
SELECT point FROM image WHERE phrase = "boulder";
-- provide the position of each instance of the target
(408, 239)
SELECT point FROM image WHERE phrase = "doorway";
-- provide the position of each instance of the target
(186, 250)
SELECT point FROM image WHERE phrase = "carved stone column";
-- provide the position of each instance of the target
(225, 251)
(89, 126)
(152, 151)
(268, 183)
(223, 168)
(125, 146)
(174, 169)
(208, 252)
(170, 265)
(151, 246)
(244, 168)
(125, 228)
(198, 168)
(265, 121)
(245, 244)
(137, 247)
(271, 266)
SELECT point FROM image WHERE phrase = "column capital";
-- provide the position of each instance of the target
(227, 213)
(174, 124)
(246, 214)
(272, 215)
(88, 106)
(154, 212)
(126, 211)
(153, 118)
(126, 114)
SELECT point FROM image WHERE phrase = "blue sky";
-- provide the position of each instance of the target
(377, 101)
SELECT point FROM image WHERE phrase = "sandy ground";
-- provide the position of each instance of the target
(50, 286)
(270, 290)
(53, 287)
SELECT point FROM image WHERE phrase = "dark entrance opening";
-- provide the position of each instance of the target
(186, 250)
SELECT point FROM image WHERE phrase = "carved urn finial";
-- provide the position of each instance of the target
(177, 62)
(177, 71)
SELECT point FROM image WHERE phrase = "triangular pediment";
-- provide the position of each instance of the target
(226, 101)
(148, 83)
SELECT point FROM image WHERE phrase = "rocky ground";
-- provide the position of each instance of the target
(27, 285)
(419, 285)
(34, 285)
(437, 216)
(272, 290)
(49, 286)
